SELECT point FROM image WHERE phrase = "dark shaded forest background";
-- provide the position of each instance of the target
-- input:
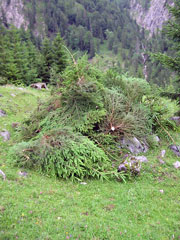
(92, 27)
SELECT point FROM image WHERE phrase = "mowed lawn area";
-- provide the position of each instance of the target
(40, 208)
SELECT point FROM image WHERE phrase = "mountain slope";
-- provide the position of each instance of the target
(12, 12)
(95, 27)
(151, 15)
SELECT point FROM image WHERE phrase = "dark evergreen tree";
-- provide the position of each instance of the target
(53, 56)
(59, 54)
(173, 32)
(47, 60)
(18, 57)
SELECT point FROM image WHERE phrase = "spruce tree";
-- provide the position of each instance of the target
(54, 56)
(47, 60)
(172, 30)
(59, 55)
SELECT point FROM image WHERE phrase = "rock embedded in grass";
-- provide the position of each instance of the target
(141, 159)
(176, 120)
(161, 161)
(134, 145)
(23, 174)
(176, 164)
(15, 125)
(2, 113)
(156, 139)
(163, 152)
(132, 164)
(6, 135)
(2, 174)
(175, 149)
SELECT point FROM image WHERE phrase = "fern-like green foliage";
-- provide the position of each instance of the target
(162, 109)
(132, 88)
(125, 112)
(63, 153)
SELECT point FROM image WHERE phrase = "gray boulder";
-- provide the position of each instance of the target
(141, 159)
(2, 113)
(6, 135)
(132, 164)
(134, 145)
(175, 149)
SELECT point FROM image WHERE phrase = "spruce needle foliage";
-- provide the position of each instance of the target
(63, 153)
(76, 133)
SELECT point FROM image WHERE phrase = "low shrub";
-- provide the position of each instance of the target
(162, 109)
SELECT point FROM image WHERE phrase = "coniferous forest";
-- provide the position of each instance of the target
(94, 27)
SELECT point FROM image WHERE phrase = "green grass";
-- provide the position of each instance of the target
(42, 208)
(105, 58)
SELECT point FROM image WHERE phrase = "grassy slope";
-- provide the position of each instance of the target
(37, 207)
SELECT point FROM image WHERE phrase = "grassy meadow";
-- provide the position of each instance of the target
(37, 207)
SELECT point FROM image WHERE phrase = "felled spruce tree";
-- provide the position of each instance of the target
(59, 144)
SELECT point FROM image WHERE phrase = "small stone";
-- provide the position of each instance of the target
(1, 95)
(141, 159)
(175, 149)
(83, 183)
(122, 167)
(132, 164)
(176, 119)
(134, 145)
(2, 113)
(163, 152)
(2, 208)
(13, 95)
(23, 174)
(15, 125)
(161, 161)
(156, 139)
(176, 164)
(2, 174)
(6, 135)
(161, 191)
